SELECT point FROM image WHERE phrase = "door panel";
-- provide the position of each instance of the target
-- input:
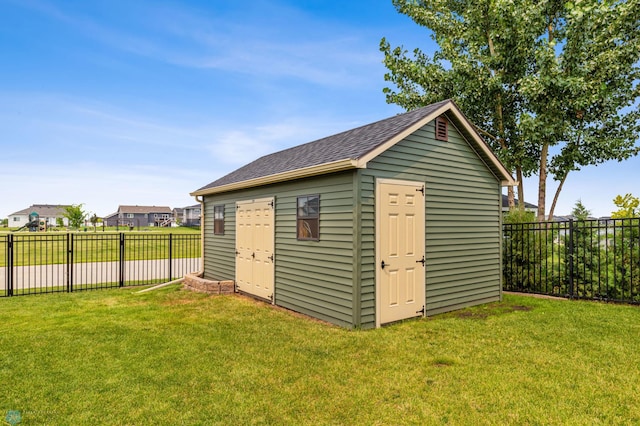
(400, 244)
(255, 246)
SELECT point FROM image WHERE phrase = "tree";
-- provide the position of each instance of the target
(625, 255)
(627, 207)
(551, 84)
(75, 214)
(580, 212)
(94, 220)
(585, 246)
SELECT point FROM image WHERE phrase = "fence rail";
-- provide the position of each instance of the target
(590, 259)
(52, 263)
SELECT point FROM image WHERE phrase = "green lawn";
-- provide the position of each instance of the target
(41, 248)
(175, 357)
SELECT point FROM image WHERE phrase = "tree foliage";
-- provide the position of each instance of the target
(580, 211)
(552, 85)
(75, 214)
(627, 207)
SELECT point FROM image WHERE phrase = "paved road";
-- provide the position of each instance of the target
(98, 273)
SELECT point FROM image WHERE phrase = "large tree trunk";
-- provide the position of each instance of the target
(519, 177)
(556, 196)
(511, 198)
(542, 183)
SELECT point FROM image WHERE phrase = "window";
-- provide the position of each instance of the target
(308, 217)
(218, 220)
(129, 215)
(442, 133)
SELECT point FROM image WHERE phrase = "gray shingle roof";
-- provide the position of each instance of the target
(352, 144)
(505, 203)
(43, 210)
(144, 209)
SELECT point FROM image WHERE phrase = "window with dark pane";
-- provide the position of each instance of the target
(308, 217)
(218, 220)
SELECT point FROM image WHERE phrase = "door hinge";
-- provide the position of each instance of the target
(421, 261)
(421, 311)
(421, 189)
(270, 258)
(237, 252)
(271, 204)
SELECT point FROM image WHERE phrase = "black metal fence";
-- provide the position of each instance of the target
(51, 263)
(591, 259)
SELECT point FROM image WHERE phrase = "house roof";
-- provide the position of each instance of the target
(44, 210)
(144, 209)
(351, 149)
(505, 203)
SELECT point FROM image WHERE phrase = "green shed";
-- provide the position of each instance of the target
(396, 219)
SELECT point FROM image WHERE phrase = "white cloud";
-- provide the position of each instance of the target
(179, 36)
(100, 188)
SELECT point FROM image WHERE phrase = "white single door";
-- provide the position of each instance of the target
(400, 245)
(255, 247)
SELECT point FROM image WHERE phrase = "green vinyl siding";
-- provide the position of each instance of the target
(219, 250)
(334, 279)
(462, 232)
(311, 277)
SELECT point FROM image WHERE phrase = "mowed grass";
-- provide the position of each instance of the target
(176, 357)
(45, 248)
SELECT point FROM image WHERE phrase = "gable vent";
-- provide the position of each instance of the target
(441, 129)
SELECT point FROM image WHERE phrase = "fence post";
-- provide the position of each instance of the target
(121, 266)
(571, 258)
(170, 257)
(9, 265)
(69, 262)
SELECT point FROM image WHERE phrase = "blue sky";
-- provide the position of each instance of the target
(141, 102)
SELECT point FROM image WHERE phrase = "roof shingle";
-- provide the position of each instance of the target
(351, 144)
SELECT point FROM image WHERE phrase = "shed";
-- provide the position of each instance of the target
(396, 219)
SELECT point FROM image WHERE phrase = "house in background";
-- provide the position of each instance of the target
(528, 207)
(49, 213)
(140, 216)
(396, 219)
(111, 220)
(191, 216)
(177, 215)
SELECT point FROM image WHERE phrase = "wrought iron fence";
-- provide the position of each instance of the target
(52, 263)
(590, 259)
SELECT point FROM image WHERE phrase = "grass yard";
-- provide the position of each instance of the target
(42, 248)
(175, 357)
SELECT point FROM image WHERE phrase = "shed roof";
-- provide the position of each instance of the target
(351, 149)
